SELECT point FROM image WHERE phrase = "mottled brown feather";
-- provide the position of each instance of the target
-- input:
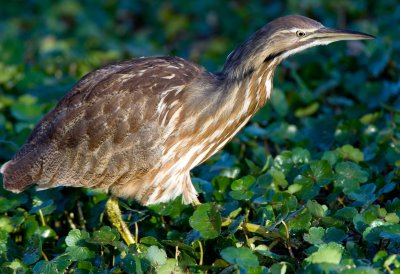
(100, 127)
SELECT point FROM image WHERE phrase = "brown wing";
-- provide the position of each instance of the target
(105, 129)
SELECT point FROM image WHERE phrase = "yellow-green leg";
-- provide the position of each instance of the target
(114, 214)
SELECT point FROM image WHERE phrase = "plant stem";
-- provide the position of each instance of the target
(258, 229)
(136, 232)
(201, 252)
(42, 217)
(45, 256)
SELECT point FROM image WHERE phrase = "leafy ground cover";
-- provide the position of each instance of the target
(310, 186)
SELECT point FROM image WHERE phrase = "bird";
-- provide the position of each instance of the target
(135, 129)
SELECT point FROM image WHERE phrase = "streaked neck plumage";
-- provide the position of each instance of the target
(248, 73)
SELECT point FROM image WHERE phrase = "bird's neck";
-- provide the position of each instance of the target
(251, 91)
(252, 55)
(235, 103)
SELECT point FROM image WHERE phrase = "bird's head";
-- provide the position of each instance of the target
(291, 34)
(281, 38)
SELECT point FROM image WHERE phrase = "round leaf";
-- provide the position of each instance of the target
(76, 237)
(241, 256)
(207, 220)
(156, 255)
(330, 253)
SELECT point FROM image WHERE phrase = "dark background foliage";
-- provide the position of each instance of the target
(310, 185)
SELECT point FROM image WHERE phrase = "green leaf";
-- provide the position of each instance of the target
(257, 270)
(240, 188)
(280, 268)
(46, 232)
(382, 231)
(243, 184)
(320, 131)
(207, 220)
(330, 253)
(254, 169)
(316, 209)
(62, 262)
(47, 207)
(32, 227)
(128, 264)
(370, 118)
(380, 256)
(221, 183)
(156, 256)
(172, 209)
(300, 156)
(283, 162)
(9, 203)
(292, 189)
(106, 235)
(76, 237)
(241, 195)
(85, 265)
(279, 132)
(321, 172)
(334, 234)
(242, 256)
(171, 266)
(360, 270)
(315, 236)
(5, 224)
(360, 223)
(363, 195)
(79, 253)
(26, 109)
(263, 250)
(299, 222)
(135, 264)
(279, 102)
(45, 267)
(392, 218)
(304, 187)
(330, 156)
(149, 241)
(278, 177)
(348, 152)
(349, 176)
(235, 225)
(393, 205)
(346, 213)
(15, 266)
(32, 250)
(178, 244)
(307, 111)
(392, 260)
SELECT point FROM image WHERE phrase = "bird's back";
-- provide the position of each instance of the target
(105, 130)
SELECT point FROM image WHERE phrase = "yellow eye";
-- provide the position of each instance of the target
(300, 33)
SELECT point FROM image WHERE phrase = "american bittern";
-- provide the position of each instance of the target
(137, 128)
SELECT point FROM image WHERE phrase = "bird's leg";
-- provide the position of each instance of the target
(114, 214)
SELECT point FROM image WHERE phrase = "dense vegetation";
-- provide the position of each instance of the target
(311, 185)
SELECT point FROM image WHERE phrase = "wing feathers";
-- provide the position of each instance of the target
(105, 130)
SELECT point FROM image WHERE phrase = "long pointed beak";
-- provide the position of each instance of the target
(333, 35)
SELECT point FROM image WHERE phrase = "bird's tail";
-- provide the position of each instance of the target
(4, 167)
(14, 177)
